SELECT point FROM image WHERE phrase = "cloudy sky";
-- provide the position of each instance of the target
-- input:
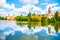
(22, 7)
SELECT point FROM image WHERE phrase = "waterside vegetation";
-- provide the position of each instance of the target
(36, 18)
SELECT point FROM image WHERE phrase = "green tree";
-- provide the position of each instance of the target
(1, 18)
(21, 18)
(56, 16)
(51, 20)
(43, 19)
(29, 16)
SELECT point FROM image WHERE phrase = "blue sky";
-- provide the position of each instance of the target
(22, 7)
(19, 4)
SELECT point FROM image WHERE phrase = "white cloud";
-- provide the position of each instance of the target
(26, 8)
(52, 5)
(12, 6)
(5, 5)
(3, 12)
(36, 9)
(2, 2)
(22, 10)
(56, 8)
(44, 3)
(29, 1)
(30, 8)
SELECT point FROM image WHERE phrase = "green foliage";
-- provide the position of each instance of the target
(57, 25)
(29, 16)
(51, 20)
(56, 14)
(43, 19)
(1, 18)
(57, 18)
(21, 18)
(5, 18)
(34, 18)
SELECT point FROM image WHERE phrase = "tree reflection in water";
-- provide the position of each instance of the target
(43, 24)
(57, 27)
(29, 30)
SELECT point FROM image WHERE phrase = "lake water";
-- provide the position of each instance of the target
(12, 30)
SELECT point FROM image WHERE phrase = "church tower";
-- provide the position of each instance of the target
(49, 15)
(49, 10)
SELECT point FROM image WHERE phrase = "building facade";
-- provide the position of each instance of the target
(49, 14)
(10, 17)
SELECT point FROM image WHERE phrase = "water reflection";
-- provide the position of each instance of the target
(10, 30)
(56, 26)
(2, 36)
(29, 37)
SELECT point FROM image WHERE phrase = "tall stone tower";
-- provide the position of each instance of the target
(49, 10)
(49, 15)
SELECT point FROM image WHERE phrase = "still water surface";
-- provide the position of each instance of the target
(12, 30)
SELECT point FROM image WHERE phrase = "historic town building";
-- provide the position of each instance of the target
(10, 17)
(49, 14)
